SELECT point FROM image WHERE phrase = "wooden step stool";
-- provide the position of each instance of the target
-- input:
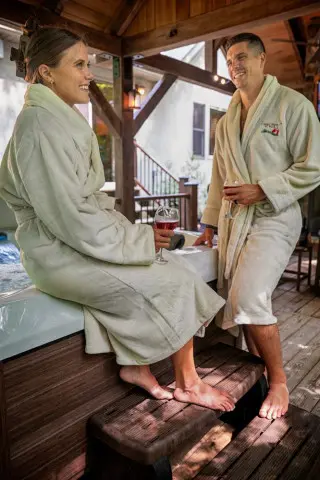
(284, 449)
(133, 439)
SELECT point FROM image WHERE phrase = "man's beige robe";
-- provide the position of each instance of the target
(279, 150)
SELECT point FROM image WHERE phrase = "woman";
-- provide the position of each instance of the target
(75, 246)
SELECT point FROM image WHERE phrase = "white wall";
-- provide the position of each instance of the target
(167, 135)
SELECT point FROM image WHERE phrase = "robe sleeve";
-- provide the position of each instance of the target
(211, 212)
(303, 176)
(48, 168)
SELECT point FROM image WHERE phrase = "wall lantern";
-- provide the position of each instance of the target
(133, 99)
(141, 90)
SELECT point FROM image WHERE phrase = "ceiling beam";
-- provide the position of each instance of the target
(19, 13)
(105, 111)
(55, 6)
(127, 12)
(226, 21)
(185, 71)
(152, 101)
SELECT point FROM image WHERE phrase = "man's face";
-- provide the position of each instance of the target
(245, 65)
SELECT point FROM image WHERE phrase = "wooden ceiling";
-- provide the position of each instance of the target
(135, 27)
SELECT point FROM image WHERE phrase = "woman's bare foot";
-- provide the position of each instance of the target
(203, 394)
(277, 401)
(142, 377)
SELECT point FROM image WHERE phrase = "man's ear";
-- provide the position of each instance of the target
(263, 58)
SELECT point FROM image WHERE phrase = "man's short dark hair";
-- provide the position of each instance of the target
(253, 41)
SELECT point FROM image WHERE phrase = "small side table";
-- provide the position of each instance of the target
(302, 275)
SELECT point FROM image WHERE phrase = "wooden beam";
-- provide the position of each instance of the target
(55, 6)
(211, 48)
(104, 110)
(186, 72)
(152, 101)
(128, 10)
(296, 32)
(19, 12)
(124, 149)
(226, 21)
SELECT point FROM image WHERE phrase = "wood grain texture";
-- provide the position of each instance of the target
(4, 438)
(223, 21)
(152, 429)
(266, 449)
(19, 12)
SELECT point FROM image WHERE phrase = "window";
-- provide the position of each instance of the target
(215, 116)
(198, 129)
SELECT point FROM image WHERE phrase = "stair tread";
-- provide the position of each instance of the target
(146, 430)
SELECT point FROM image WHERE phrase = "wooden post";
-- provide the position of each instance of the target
(183, 202)
(211, 56)
(192, 210)
(124, 147)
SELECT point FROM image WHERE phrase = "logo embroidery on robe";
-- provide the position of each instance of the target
(272, 128)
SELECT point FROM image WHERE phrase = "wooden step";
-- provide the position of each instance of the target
(145, 430)
(287, 448)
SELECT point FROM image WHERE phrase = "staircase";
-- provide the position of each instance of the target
(155, 186)
(151, 176)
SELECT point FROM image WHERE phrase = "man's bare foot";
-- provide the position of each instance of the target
(277, 401)
(142, 377)
(203, 394)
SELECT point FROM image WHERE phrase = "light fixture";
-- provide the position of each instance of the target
(133, 99)
(215, 78)
(141, 90)
(223, 81)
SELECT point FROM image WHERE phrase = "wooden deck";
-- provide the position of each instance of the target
(299, 324)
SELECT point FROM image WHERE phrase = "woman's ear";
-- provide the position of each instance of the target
(45, 74)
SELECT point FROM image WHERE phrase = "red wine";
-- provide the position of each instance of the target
(167, 224)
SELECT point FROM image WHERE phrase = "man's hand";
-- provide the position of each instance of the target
(162, 238)
(244, 194)
(205, 238)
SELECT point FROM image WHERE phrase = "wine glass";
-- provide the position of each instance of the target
(166, 218)
(228, 184)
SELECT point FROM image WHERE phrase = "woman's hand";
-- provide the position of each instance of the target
(246, 194)
(205, 238)
(162, 238)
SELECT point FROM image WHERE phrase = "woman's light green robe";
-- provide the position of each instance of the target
(75, 246)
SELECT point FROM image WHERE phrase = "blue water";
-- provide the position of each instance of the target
(9, 253)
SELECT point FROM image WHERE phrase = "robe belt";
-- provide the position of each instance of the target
(24, 214)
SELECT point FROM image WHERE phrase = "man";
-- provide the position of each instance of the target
(267, 152)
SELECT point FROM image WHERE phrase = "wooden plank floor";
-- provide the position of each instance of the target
(299, 324)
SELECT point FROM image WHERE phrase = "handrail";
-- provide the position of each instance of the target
(139, 184)
(156, 163)
(161, 197)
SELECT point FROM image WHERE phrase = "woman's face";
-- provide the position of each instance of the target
(70, 79)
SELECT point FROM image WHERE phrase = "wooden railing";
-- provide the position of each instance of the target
(154, 177)
(186, 202)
